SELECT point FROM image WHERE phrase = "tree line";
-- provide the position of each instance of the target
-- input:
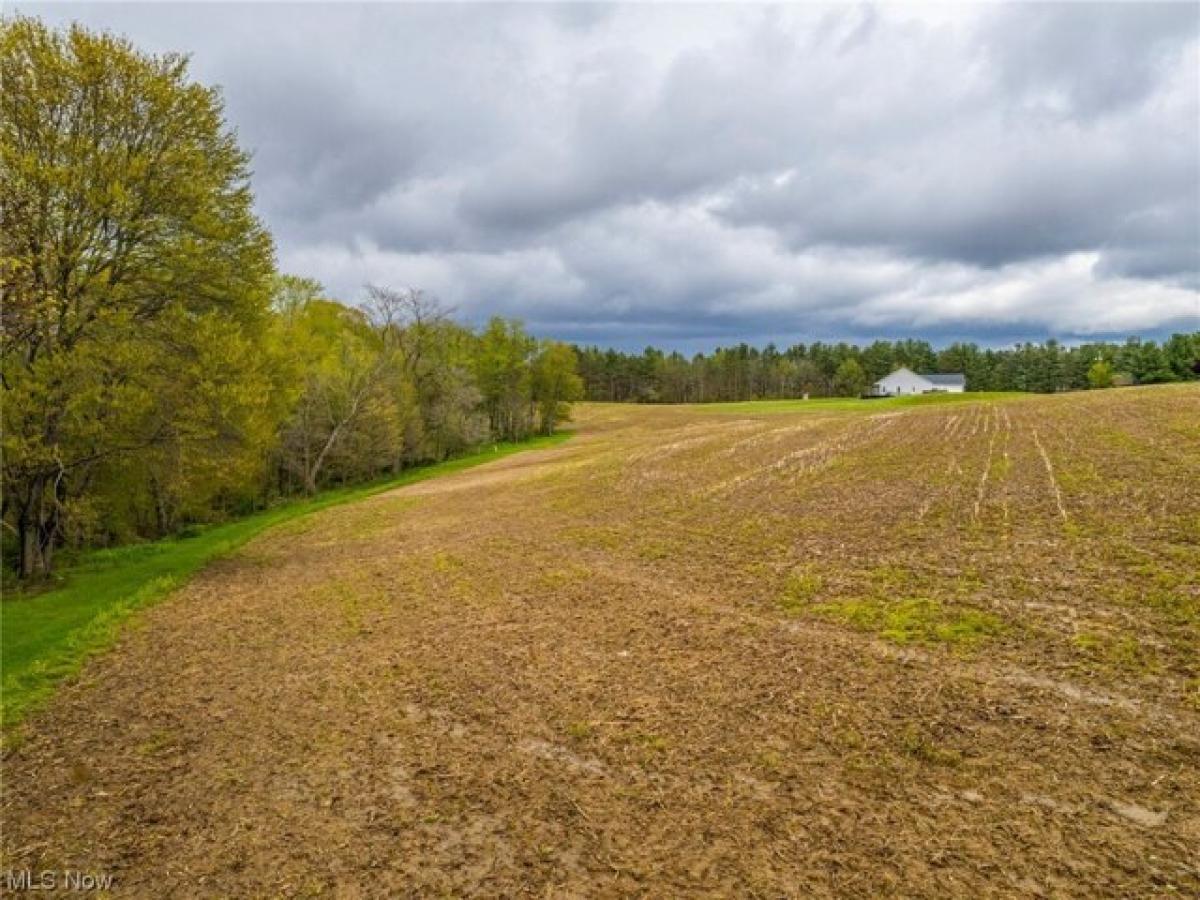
(840, 369)
(157, 371)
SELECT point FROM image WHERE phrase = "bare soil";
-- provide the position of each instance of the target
(950, 651)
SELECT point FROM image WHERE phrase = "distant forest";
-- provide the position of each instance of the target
(846, 370)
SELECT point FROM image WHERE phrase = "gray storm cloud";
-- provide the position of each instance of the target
(692, 175)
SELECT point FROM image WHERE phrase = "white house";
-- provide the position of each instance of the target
(906, 381)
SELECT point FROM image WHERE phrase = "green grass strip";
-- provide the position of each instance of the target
(46, 637)
(853, 404)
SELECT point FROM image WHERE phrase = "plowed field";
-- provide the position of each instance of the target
(942, 650)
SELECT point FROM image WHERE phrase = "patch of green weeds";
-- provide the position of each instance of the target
(1191, 694)
(564, 577)
(159, 742)
(801, 588)
(913, 620)
(1122, 651)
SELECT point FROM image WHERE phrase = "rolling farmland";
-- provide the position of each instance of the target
(788, 649)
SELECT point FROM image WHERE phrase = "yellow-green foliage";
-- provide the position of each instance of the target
(113, 360)
(564, 576)
(161, 372)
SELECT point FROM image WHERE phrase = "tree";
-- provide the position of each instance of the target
(878, 360)
(502, 370)
(850, 380)
(745, 373)
(808, 378)
(434, 355)
(1100, 375)
(345, 366)
(1145, 361)
(128, 234)
(1182, 353)
(556, 383)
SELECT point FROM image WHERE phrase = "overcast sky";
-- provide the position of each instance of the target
(695, 175)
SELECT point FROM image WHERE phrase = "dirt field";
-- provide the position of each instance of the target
(943, 652)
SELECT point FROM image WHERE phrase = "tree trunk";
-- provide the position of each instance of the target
(35, 532)
(162, 513)
(28, 540)
(311, 472)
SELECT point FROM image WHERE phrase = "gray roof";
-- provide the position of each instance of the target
(946, 378)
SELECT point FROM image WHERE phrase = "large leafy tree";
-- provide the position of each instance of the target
(135, 278)
(1100, 375)
(433, 358)
(850, 380)
(555, 383)
(502, 371)
(348, 378)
